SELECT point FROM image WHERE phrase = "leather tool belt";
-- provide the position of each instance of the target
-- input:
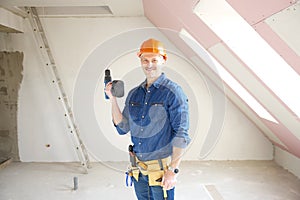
(153, 168)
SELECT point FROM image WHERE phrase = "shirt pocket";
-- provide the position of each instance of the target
(157, 104)
(157, 113)
(135, 110)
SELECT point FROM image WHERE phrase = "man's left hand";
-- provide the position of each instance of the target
(169, 180)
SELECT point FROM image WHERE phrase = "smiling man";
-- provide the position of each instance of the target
(156, 114)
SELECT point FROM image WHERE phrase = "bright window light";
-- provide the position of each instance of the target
(252, 49)
(226, 77)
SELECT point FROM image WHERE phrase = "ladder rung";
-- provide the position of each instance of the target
(62, 98)
(70, 114)
(64, 95)
(58, 80)
(33, 15)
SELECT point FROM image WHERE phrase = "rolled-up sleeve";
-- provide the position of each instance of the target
(123, 127)
(179, 118)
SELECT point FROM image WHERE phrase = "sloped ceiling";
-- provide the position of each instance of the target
(177, 15)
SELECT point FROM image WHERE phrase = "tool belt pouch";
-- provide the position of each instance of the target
(135, 174)
(155, 177)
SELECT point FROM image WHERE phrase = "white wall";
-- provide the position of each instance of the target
(78, 45)
(239, 137)
(287, 161)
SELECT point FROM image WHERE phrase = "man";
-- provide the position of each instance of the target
(156, 114)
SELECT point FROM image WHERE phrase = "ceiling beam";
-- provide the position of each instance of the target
(10, 22)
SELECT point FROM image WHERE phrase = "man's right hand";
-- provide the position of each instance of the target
(116, 112)
(107, 90)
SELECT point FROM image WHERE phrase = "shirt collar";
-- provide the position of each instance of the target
(157, 83)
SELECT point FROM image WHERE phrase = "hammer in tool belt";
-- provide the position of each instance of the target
(132, 156)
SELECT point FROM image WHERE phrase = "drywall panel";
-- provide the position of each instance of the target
(278, 44)
(286, 25)
(287, 161)
(241, 139)
(255, 11)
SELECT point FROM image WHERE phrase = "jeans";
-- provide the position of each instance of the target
(145, 192)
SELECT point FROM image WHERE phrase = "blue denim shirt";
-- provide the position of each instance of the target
(157, 118)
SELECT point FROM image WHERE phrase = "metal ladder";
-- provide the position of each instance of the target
(62, 97)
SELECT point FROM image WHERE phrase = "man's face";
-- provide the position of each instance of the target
(152, 64)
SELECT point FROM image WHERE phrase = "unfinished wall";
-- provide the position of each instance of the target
(11, 67)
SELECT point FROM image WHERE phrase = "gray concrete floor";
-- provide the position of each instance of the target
(205, 180)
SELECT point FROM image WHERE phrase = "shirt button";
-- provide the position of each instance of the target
(142, 129)
(140, 143)
(143, 117)
(148, 91)
(146, 103)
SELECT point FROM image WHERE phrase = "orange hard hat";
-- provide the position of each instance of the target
(152, 46)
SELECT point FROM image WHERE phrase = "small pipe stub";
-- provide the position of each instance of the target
(75, 180)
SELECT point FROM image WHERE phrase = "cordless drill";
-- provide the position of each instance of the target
(117, 87)
(107, 79)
